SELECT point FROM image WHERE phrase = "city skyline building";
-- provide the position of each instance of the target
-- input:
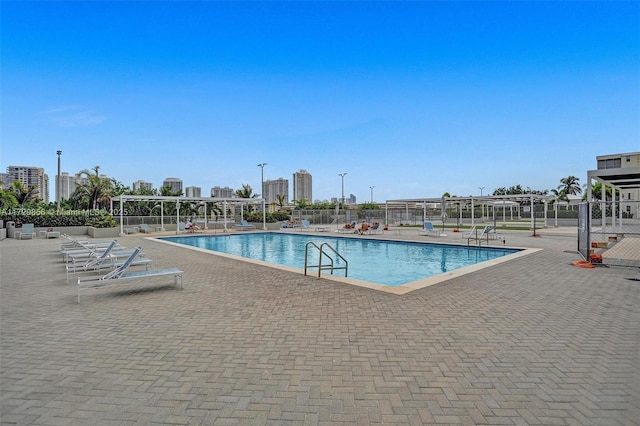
(302, 186)
(174, 183)
(193, 191)
(142, 184)
(31, 176)
(5, 179)
(275, 187)
(220, 192)
(67, 185)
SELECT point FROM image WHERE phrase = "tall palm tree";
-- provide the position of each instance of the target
(560, 194)
(21, 193)
(570, 185)
(97, 190)
(245, 192)
(280, 201)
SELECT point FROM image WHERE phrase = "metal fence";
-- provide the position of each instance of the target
(609, 232)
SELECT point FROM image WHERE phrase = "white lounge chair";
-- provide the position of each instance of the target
(108, 259)
(374, 229)
(89, 252)
(146, 228)
(120, 275)
(73, 242)
(348, 228)
(244, 225)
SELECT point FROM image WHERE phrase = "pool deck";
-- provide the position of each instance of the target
(530, 341)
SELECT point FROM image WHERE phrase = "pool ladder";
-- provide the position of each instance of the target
(322, 254)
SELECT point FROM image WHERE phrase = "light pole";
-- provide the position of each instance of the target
(481, 188)
(372, 193)
(481, 203)
(342, 175)
(58, 183)
(264, 211)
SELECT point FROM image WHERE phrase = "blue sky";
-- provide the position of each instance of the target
(414, 98)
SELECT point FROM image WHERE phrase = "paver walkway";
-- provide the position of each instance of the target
(532, 341)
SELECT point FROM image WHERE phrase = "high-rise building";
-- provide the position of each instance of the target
(142, 184)
(275, 187)
(193, 191)
(226, 192)
(67, 185)
(302, 186)
(31, 176)
(5, 180)
(174, 183)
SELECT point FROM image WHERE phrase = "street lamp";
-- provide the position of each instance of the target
(264, 211)
(481, 203)
(58, 183)
(481, 188)
(372, 193)
(342, 175)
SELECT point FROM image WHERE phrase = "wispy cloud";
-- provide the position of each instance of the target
(73, 116)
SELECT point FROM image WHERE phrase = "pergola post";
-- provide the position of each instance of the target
(177, 216)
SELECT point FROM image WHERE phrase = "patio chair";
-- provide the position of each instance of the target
(75, 256)
(429, 230)
(145, 228)
(121, 275)
(348, 228)
(305, 225)
(244, 225)
(27, 231)
(374, 229)
(74, 242)
(108, 259)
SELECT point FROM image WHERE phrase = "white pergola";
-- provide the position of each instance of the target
(177, 200)
(496, 201)
(626, 179)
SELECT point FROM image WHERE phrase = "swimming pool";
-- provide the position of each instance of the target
(379, 262)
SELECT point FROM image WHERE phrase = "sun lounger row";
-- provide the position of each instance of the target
(116, 260)
(244, 226)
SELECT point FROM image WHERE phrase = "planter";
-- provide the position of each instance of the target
(103, 232)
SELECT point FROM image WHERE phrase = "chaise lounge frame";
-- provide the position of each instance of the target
(120, 276)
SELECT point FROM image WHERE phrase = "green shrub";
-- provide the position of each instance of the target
(53, 218)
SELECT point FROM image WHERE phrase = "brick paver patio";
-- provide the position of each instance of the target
(531, 341)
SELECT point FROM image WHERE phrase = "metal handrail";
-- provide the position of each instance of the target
(330, 266)
(477, 238)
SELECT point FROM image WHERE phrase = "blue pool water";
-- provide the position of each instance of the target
(390, 263)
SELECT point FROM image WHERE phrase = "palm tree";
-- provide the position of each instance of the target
(280, 201)
(97, 190)
(570, 185)
(596, 192)
(560, 194)
(302, 204)
(22, 194)
(7, 200)
(245, 192)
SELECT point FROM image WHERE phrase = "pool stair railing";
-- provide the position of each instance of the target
(323, 254)
(488, 233)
